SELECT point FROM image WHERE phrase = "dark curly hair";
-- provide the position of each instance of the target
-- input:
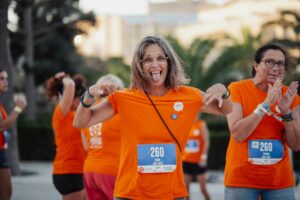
(54, 86)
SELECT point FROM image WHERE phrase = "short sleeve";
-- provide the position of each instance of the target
(58, 116)
(113, 100)
(235, 92)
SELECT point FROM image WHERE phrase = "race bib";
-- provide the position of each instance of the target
(156, 158)
(192, 146)
(265, 152)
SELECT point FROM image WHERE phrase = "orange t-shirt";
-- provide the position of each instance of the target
(140, 124)
(104, 141)
(238, 171)
(195, 144)
(70, 154)
(2, 117)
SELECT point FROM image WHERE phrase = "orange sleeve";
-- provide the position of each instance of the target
(113, 101)
(235, 92)
(58, 114)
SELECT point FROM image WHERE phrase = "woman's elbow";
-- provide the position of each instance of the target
(228, 109)
(295, 147)
(77, 124)
(237, 136)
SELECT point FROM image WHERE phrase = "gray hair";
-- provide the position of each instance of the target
(111, 78)
(175, 76)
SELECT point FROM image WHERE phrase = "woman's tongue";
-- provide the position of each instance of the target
(155, 76)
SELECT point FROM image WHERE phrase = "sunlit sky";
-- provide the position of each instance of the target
(123, 7)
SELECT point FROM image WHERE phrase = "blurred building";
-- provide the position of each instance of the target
(183, 19)
(232, 17)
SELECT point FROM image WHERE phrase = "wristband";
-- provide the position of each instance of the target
(84, 104)
(204, 156)
(265, 106)
(226, 95)
(259, 112)
(89, 94)
(287, 117)
(266, 109)
(18, 109)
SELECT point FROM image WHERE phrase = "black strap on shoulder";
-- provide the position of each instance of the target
(163, 121)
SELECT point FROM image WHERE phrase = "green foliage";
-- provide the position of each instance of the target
(193, 58)
(55, 24)
(197, 54)
(35, 138)
(235, 61)
(179, 49)
(116, 66)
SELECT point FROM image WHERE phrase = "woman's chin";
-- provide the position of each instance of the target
(273, 79)
(156, 83)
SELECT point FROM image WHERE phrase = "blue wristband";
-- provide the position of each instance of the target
(266, 107)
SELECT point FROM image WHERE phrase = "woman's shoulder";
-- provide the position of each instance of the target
(186, 92)
(185, 88)
(241, 83)
(129, 93)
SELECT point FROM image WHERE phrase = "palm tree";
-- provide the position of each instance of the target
(289, 23)
(235, 61)
(193, 58)
(197, 54)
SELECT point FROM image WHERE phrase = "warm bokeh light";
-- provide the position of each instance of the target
(78, 40)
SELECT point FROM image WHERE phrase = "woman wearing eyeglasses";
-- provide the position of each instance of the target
(264, 123)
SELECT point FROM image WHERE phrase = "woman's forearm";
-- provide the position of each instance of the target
(292, 131)
(244, 127)
(82, 117)
(226, 107)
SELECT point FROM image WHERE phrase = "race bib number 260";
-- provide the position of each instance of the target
(156, 158)
(265, 152)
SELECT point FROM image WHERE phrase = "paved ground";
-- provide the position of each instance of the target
(37, 185)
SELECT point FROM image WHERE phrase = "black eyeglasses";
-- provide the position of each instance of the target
(270, 63)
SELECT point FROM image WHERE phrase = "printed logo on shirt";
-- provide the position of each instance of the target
(192, 146)
(174, 116)
(178, 106)
(95, 136)
(196, 132)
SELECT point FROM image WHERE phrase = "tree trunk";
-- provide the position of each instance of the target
(7, 98)
(30, 88)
